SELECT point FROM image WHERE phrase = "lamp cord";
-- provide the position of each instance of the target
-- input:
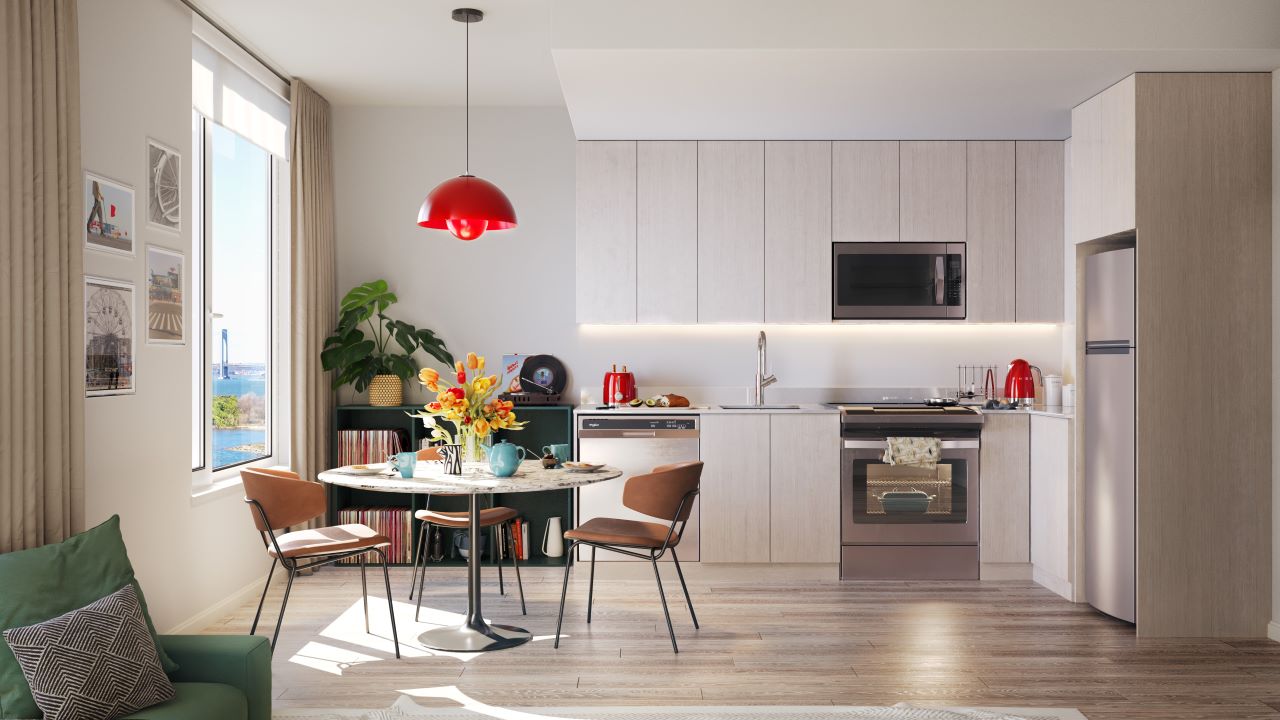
(468, 96)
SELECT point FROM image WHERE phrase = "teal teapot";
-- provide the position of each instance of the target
(505, 458)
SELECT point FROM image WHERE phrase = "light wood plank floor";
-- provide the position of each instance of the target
(769, 635)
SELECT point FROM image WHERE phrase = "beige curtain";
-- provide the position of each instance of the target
(41, 236)
(314, 282)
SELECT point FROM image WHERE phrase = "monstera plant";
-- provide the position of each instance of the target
(361, 351)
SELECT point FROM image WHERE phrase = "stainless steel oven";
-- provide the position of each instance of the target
(898, 281)
(909, 521)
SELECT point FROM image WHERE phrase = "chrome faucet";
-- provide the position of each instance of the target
(762, 381)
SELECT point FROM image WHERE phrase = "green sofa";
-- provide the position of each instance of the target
(216, 677)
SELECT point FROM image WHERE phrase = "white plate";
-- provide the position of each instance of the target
(371, 469)
(574, 466)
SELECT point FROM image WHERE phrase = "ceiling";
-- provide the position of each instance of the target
(743, 69)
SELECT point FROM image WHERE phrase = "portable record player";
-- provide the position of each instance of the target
(540, 380)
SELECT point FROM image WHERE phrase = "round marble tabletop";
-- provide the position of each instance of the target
(474, 480)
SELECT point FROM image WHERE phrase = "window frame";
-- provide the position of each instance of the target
(205, 478)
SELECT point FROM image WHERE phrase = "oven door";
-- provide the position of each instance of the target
(893, 281)
(951, 515)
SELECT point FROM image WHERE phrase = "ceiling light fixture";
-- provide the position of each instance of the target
(467, 206)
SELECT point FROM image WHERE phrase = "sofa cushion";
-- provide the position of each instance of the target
(45, 582)
(95, 663)
(198, 701)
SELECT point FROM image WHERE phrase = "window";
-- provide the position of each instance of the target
(239, 339)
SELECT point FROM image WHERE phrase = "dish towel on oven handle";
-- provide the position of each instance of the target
(922, 452)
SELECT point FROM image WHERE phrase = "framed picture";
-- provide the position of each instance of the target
(164, 186)
(108, 207)
(166, 280)
(108, 337)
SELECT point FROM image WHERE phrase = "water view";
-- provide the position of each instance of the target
(239, 414)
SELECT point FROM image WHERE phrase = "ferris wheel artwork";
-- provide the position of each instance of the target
(109, 337)
(164, 186)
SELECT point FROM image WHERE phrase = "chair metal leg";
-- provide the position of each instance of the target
(391, 608)
(364, 592)
(422, 578)
(419, 557)
(283, 604)
(568, 562)
(663, 596)
(684, 587)
(515, 563)
(591, 583)
(263, 599)
(494, 533)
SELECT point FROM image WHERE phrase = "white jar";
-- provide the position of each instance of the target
(1068, 395)
(1053, 390)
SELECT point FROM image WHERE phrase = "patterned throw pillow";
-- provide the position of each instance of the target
(95, 663)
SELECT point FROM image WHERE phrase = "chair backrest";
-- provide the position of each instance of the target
(658, 493)
(286, 498)
(429, 453)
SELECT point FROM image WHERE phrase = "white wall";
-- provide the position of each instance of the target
(513, 291)
(1273, 631)
(135, 78)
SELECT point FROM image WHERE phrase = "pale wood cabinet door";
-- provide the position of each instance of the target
(1039, 226)
(804, 481)
(1005, 491)
(1119, 156)
(797, 225)
(1051, 501)
(606, 232)
(864, 191)
(730, 231)
(989, 251)
(933, 191)
(667, 232)
(1086, 170)
(735, 488)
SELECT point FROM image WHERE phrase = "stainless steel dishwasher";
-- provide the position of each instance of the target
(636, 444)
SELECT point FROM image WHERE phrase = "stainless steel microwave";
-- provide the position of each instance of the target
(897, 281)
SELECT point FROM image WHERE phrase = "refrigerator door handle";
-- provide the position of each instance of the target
(1107, 347)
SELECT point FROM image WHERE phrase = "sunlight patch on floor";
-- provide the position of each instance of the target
(451, 692)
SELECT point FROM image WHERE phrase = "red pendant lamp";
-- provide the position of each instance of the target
(467, 206)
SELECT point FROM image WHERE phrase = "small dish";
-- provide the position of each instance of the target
(574, 466)
(373, 469)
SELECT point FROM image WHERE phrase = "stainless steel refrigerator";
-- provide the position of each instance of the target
(1110, 439)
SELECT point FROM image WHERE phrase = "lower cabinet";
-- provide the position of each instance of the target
(1052, 489)
(1004, 534)
(770, 488)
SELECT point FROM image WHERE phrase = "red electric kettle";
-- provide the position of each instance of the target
(1019, 385)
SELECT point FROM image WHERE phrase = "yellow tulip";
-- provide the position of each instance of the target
(457, 366)
(481, 427)
(428, 376)
(473, 362)
(480, 364)
(481, 384)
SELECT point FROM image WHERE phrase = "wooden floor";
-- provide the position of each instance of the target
(769, 636)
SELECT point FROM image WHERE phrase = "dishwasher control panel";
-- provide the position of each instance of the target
(638, 423)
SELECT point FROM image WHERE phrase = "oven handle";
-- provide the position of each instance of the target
(880, 444)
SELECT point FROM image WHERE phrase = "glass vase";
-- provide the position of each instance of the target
(472, 446)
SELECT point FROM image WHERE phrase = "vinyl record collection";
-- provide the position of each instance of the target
(368, 446)
(394, 522)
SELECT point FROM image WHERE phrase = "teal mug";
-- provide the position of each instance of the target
(560, 451)
(405, 462)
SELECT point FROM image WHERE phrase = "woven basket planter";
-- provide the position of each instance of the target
(386, 391)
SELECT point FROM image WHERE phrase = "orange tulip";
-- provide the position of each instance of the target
(481, 427)
(427, 376)
(473, 362)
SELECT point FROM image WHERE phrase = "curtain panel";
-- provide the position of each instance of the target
(41, 261)
(313, 279)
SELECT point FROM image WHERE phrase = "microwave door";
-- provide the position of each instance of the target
(892, 281)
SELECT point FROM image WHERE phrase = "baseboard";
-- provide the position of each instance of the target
(205, 618)
(1054, 583)
(1273, 630)
(1005, 571)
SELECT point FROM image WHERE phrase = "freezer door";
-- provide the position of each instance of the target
(1108, 296)
(1109, 482)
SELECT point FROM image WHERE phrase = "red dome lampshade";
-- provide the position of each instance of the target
(467, 206)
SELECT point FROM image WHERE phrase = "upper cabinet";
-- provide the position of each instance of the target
(933, 191)
(864, 191)
(1104, 163)
(797, 232)
(730, 231)
(1039, 227)
(606, 232)
(990, 251)
(667, 232)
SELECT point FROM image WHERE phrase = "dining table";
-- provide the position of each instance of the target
(475, 634)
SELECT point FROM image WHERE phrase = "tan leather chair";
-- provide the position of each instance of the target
(279, 499)
(498, 519)
(667, 493)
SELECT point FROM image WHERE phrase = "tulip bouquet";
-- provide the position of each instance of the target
(468, 404)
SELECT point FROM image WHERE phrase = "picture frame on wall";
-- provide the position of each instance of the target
(164, 186)
(110, 333)
(165, 282)
(108, 209)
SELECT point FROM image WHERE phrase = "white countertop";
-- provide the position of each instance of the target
(1058, 411)
(800, 409)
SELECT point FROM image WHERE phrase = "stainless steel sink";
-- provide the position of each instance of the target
(759, 407)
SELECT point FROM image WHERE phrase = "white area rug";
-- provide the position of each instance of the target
(405, 709)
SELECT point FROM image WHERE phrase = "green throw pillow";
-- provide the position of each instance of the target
(49, 581)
